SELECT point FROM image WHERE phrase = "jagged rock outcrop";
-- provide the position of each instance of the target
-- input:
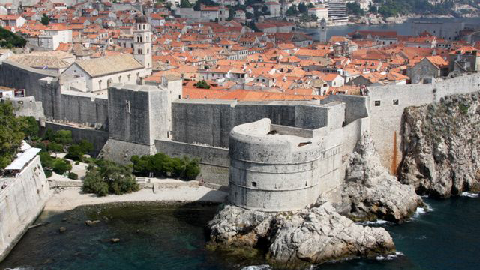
(313, 235)
(371, 193)
(441, 146)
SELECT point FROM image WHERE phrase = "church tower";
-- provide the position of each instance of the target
(142, 42)
(323, 30)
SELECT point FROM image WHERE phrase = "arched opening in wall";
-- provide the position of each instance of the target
(109, 82)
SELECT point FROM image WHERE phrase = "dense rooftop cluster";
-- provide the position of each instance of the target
(223, 52)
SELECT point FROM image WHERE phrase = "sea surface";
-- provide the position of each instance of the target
(404, 29)
(155, 236)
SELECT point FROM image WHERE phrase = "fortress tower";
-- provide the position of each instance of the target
(142, 42)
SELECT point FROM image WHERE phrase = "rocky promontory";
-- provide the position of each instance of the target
(314, 235)
(442, 145)
(371, 193)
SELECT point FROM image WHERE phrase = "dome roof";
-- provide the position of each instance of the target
(141, 19)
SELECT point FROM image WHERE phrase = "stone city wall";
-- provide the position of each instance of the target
(44, 86)
(122, 151)
(21, 201)
(388, 102)
(210, 121)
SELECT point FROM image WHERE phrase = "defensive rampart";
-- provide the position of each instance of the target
(274, 171)
(21, 201)
(388, 102)
(210, 121)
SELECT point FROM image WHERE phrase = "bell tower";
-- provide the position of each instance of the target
(142, 42)
(323, 30)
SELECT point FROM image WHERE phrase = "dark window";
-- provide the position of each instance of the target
(254, 184)
(377, 102)
(395, 102)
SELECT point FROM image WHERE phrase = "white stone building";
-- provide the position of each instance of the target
(100, 73)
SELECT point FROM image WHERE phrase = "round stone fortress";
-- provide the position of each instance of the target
(272, 170)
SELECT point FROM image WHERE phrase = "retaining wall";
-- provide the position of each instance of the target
(20, 203)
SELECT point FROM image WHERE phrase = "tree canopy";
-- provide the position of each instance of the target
(45, 20)
(12, 130)
(11, 40)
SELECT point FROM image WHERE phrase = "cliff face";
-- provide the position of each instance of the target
(441, 145)
(371, 193)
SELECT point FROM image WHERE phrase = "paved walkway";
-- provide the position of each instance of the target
(69, 198)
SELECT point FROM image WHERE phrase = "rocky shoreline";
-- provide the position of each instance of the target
(292, 239)
(323, 232)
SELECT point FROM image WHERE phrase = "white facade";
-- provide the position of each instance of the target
(53, 38)
(75, 78)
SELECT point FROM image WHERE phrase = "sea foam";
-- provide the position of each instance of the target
(470, 195)
(389, 257)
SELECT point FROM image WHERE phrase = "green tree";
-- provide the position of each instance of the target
(55, 147)
(30, 127)
(61, 166)
(75, 152)
(11, 134)
(192, 169)
(46, 160)
(292, 10)
(202, 84)
(355, 9)
(63, 137)
(93, 183)
(86, 146)
(185, 4)
(45, 20)
(11, 40)
(302, 8)
(49, 135)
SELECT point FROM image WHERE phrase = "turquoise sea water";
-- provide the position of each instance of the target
(153, 236)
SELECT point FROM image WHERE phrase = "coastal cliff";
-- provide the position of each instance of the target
(371, 193)
(441, 145)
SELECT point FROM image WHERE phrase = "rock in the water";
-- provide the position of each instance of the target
(91, 223)
(312, 235)
(371, 193)
(442, 146)
(62, 229)
(115, 240)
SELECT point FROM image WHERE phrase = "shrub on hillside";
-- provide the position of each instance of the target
(61, 166)
(75, 152)
(73, 176)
